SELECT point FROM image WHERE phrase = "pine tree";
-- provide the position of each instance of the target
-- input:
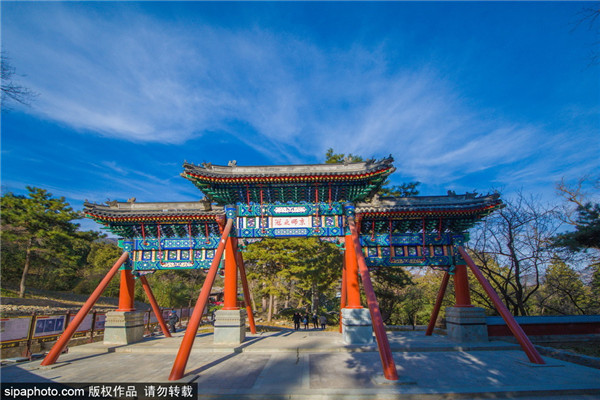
(41, 228)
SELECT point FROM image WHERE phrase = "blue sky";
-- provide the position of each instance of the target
(465, 96)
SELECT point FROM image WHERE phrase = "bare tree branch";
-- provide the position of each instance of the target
(12, 91)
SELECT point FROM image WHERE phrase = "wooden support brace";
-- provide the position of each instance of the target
(344, 294)
(62, 342)
(185, 348)
(438, 304)
(514, 327)
(385, 352)
(155, 307)
(246, 289)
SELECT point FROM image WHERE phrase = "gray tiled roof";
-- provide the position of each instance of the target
(451, 202)
(234, 170)
(130, 209)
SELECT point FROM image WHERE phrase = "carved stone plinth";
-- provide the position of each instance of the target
(466, 324)
(357, 327)
(230, 326)
(123, 327)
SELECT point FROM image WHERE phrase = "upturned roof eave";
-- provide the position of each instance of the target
(467, 203)
(266, 171)
(132, 211)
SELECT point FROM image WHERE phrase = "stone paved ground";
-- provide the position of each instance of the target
(317, 365)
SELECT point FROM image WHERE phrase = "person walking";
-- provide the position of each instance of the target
(173, 319)
(305, 321)
(315, 321)
(323, 319)
(296, 319)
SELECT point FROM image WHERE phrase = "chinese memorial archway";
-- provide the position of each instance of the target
(335, 202)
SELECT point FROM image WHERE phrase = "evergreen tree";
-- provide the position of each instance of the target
(563, 291)
(40, 228)
(302, 271)
(587, 230)
(406, 189)
(101, 256)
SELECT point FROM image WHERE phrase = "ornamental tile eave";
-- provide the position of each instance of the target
(438, 205)
(267, 171)
(129, 212)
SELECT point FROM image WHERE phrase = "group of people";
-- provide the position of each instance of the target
(306, 319)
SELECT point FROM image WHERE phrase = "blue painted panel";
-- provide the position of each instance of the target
(288, 209)
(409, 239)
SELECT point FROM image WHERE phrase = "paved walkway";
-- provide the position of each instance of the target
(316, 365)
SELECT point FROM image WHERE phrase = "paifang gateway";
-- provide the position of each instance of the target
(334, 202)
(292, 201)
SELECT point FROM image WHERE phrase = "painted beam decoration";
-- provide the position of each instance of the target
(420, 230)
(294, 201)
(178, 235)
(290, 219)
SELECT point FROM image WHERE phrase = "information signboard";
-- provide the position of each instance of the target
(49, 325)
(12, 329)
(85, 325)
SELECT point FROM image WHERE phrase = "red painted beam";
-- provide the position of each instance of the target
(62, 342)
(514, 327)
(246, 289)
(385, 352)
(185, 348)
(155, 306)
(438, 304)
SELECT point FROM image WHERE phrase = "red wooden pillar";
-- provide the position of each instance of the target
(230, 296)
(514, 327)
(70, 330)
(385, 352)
(246, 289)
(461, 287)
(126, 291)
(438, 304)
(352, 287)
(194, 322)
(155, 307)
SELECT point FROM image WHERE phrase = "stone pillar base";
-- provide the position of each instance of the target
(124, 327)
(357, 327)
(466, 324)
(230, 326)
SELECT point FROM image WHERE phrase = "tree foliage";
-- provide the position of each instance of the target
(512, 248)
(39, 228)
(587, 230)
(388, 284)
(406, 189)
(563, 291)
(101, 256)
(301, 272)
(338, 158)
